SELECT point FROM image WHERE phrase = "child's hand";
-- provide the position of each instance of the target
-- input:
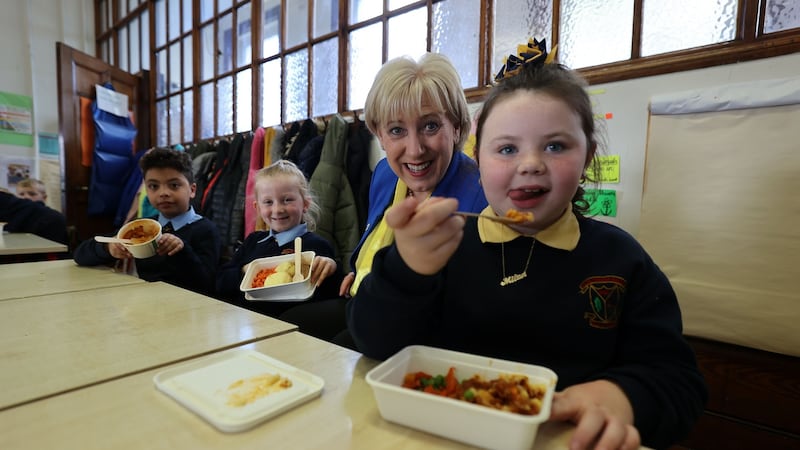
(169, 244)
(602, 413)
(323, 268)
(426, 233)
(119, 251)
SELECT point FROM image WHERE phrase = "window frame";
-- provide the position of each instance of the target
(750, 43)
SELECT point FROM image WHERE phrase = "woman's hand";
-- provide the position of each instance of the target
(602, 413)
(169, 244)
(426, 233)
(347, 282)
(323, 268)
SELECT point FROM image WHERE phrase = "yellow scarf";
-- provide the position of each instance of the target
(381, 236)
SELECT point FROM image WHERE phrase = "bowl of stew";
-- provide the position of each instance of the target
(144, 233)
(478, 400)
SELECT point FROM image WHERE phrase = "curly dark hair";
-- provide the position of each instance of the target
(164, 157)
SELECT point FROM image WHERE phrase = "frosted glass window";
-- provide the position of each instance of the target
(174, 18)
(103, 16)
(187, 62)
(225, 106)
(122, 7)
(326, 16)
(681, 24)
(271, 92)
(244, 101)
(161, 73)
(408, 34)
(365, 60)
(223, 5)
(146, 41)
(225, 44)
(270, 33)
(515, 21)
(161, 23)
(207, 52)
(161, 123)
(188, 116)
(781, 15)
(296, 81)
(296, 22)
(396, 4)
(244, 49)
(456, 25)
(122, 35)
(206, 9)
(361, 10)
(187, 15)
(174, 67)
(325, 85)
(136, 55)
(175, 119)
(207, 110)
(595, 32)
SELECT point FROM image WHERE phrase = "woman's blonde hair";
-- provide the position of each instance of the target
(287, 168)
(402, 85)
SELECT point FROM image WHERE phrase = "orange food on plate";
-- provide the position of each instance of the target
(519, 216)
(510, 392)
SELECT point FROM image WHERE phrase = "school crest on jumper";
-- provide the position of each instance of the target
(605, 298)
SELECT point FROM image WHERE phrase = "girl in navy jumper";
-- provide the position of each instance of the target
(564, 291)
(284, 202)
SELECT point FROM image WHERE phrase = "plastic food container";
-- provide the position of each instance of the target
(293, 291)
(459, 420)
(148, 247)
(207, 386)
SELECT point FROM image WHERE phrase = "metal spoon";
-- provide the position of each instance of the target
(501, 219)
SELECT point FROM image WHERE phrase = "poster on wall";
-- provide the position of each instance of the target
(13, 170)
(16, 119)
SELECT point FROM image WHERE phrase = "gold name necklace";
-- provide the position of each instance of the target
(511, 279)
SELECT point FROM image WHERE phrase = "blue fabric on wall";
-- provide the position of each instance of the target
(113, 160)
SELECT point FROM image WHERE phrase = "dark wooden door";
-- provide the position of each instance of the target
(78, 73)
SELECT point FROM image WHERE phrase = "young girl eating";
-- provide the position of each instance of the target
(285, 204)
(564, 291)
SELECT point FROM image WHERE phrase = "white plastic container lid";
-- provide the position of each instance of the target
(204, 386)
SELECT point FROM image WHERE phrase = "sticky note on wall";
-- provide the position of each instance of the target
(609, 169)
(602, 202)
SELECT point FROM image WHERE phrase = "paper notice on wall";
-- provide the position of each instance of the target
(111, 101)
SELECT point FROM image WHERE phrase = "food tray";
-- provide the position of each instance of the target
(204, 387)
(295, 291)
(473, 424)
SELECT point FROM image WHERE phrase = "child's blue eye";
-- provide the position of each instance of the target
(554, 147)
(395, 131)
(506, 150)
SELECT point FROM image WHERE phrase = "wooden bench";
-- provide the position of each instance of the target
(754, 399)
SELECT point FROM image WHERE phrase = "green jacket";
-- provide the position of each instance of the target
(338, 220)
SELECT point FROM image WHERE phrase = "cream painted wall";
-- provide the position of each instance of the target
(29, 30)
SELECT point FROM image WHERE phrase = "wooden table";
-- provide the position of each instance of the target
(130, 413)
(51, 277)
(28, 243)
(60, 342)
